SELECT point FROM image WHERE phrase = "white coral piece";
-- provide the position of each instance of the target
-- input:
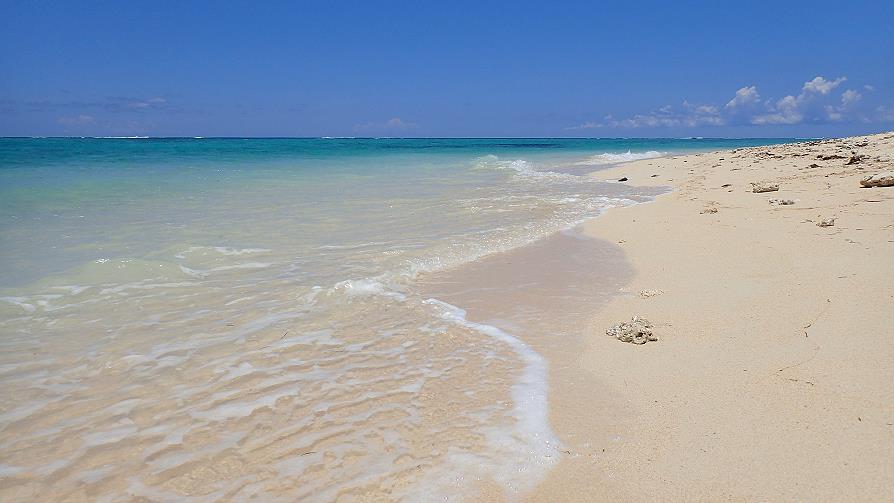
(637, 331)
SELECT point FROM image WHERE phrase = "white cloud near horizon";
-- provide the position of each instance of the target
(690, 115)
(821, 85)
(885, 112)
(151, 102)
(393, 124)
(815, 103)
(744, 97)
(850, 96)
(77, 120)
(848, 99)
(786, 111)
(793, 109)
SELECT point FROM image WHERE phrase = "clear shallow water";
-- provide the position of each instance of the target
(235, 317)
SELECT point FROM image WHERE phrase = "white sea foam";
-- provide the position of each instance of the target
(351, 247)
(21, 302)
(366, 286)
(202, 273)
(531, 445)
(613, 158)
(500, 240)
(223, 250)
(525, 171)
(142, 285)
(226, 250)
(72, 289)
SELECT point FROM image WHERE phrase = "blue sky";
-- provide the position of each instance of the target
(629, 68)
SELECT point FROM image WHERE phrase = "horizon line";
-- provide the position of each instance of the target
(136, 137)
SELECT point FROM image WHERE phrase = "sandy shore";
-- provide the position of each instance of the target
(773, 379)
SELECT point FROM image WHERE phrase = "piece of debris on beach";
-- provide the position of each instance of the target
(710, 209)
(758, 187)
(650, 293)
(829, 222)
(880, 180)
(782, 202)
(637, 331)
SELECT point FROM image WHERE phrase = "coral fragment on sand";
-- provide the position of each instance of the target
(637, 331)
(758, 187)
(880, 180)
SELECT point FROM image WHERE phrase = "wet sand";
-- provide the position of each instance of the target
(545, 294)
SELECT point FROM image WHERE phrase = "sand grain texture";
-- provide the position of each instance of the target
(773, 379)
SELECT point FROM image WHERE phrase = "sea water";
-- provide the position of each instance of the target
(232, 318)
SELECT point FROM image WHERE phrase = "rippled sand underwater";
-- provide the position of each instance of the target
(256, 329)
(371, 397)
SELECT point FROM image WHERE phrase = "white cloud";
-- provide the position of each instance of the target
(794, 109)
(396, 123)
(77, 120)
(654, 119)
(666, 116)
(588, 125)
(850, 96)
(786, 111)
(848, 99)
(707, 109)
(833, 113)
(815, 103)
(393, 124)
(885, 113)
(149, 103)
(821, 85)
(744, 96)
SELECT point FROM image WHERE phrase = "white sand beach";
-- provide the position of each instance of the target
(771, 378)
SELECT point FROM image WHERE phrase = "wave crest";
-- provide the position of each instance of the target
(613, 158)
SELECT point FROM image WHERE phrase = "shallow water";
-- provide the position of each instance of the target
(229, 318)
